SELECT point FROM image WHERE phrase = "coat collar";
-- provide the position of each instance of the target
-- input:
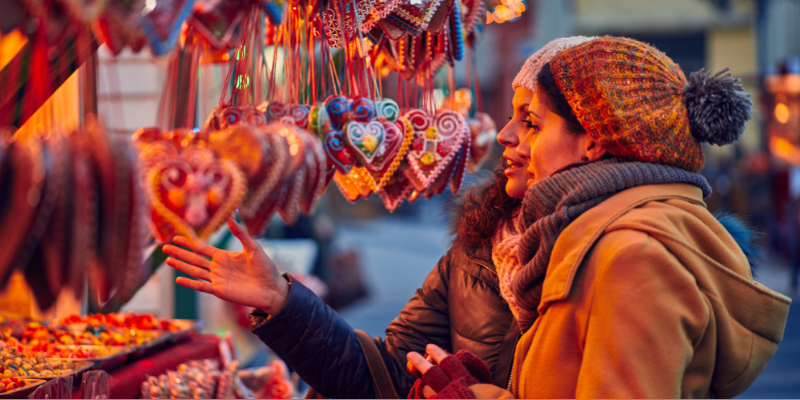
(578, 238)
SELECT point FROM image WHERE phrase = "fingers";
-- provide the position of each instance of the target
(196, 285)
(436, 353)
(241, 233)
(418, 362)
(188, 256)
(428, 392)
(196, 246)
(195, 272)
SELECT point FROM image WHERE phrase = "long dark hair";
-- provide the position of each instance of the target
(484, 210)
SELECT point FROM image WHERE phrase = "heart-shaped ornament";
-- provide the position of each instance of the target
(387, 108)
(392, 153)
(397, 189)
(365, 139)
(276, 110)
(290, 209)
(362, 109)
(258, 223)
(339, 155)
(337, 109)
(299, 115)
(318, 119)
(436, 141)
(316, 166)
(418, 13)
(219, 24)
(192, 200)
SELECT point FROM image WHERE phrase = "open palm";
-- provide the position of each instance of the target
(249, 277)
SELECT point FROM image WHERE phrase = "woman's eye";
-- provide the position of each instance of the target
(530, 125)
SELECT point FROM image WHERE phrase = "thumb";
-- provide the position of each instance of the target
(241, 233)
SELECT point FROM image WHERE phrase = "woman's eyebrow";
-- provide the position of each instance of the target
(534, 114)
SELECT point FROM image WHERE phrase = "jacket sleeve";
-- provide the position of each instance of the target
(645, 318)
(317, 343)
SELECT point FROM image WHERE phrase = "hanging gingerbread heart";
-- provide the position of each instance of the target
(337, 109)
(316, 179)
(219, 25)
(299, 115)
(318, 119)
(380, 10)
(192, 200)
(397, 189)
(418, 14)
(473, 12)
(362, 109)
(258, 223)
(436, 141)
(163, 24)
(344, 17)
(290, 209)
(276, 110)
(388, 109)
(391, 153)
(339, 155)
(365, 139)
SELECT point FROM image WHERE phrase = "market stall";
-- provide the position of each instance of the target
(358, 93)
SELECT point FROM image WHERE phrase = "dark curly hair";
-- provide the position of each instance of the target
(484, 210)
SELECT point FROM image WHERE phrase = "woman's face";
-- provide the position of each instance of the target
(510, 137)
(552, 147)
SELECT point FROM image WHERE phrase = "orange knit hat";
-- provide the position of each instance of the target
(636, 102)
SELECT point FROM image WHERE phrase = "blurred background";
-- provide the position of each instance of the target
(367, 262)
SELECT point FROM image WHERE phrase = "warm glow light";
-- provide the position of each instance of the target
(782, 113)
(507, 10)
(489, 18)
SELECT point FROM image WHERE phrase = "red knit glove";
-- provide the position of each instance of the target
(452, 378)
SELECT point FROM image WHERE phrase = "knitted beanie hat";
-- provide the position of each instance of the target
(636, 102)
(526, 77)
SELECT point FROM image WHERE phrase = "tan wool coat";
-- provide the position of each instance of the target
(647, 296)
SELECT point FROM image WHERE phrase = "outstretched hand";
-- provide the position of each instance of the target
(249, 277)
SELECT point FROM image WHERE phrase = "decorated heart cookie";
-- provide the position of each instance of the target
(192, 199)
(436, 141)
(337, 109)
(397, 189)
(299, 115)
(258, 223)
(362, 109)
(290, 209)
(391, 154)
(276, 110)
(387, 108)
(315, 171)
(365, 139)
(318, 118)
(418, 14)
(339, 154)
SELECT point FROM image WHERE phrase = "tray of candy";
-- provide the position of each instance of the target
(19, 392)
(101, 357)
(185, 328)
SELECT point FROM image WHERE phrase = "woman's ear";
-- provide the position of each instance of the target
(593, 150)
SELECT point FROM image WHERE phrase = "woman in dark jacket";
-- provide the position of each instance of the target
(458, 307)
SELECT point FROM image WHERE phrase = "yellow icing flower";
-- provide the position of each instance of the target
(432, 133)
(427, 158)
(369, 142)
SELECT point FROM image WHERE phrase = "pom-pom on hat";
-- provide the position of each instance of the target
(636, 102)
(526, 77)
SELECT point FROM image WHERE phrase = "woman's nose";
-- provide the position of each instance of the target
(506, 138)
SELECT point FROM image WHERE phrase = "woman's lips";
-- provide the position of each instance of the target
(512, 167)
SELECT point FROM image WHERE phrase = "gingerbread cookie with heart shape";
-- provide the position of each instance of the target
(315, 173)
(437, 139)
(365, 139)
(391, 152)
(192, 195)
(397, 189)
(339, 154)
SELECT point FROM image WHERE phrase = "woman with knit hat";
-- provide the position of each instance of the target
(459, 306)
(624, 285)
